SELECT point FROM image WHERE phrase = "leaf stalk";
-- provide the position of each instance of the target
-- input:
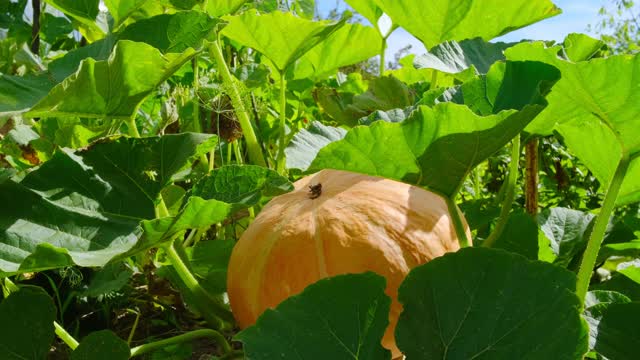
(253, 146)
(510, 194)
(599, 229)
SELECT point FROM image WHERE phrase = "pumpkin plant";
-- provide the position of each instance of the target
(353, 214)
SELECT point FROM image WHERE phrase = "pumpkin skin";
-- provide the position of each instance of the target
(354, 223)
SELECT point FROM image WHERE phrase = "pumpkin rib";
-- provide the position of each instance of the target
(317, 237)
(264, 260)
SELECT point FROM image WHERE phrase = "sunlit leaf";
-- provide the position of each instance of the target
(436, 21)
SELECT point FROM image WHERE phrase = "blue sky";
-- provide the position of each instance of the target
(576, 16)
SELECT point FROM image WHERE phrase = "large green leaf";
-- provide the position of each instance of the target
(453, 57)
(101, 345)
(306, 143)
(62, 67)
(487, 303)
(343, 317)
(85, 12)
(171, 33)
(85, 207)
(436, 21)
(218, 195)
(519, 236)
(18, 94)
(217, 8)
(437, 147)
(350, 44)
(281, 37)
(566, 230)
(121, 9)
(112, 88)
(617, 336)
(368, 9)
(384, 93)
(581, 47)
(26, 324)
(596, 109)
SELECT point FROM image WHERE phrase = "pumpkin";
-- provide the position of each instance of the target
(337, 222)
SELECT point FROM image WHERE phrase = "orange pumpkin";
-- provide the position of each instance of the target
(337, 222)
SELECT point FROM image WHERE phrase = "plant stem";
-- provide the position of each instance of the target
(454, 212)
(35, 28)
(280, 161)
(382, 56)
(531, 178)
(434, 79)
(510, 194)
(235, 354)
(65, 336)
(599, 228)
(214, 312)
(133, 327)
(255, 151)
(196, 101)
(190, 336)
(133, 128)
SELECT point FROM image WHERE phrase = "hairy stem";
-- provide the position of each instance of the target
(510, 194)
(214, 312)
(458, 225)
(280, 161)
(382, 56)
(65, 336)
(599, 228)
(190, 336)
(253, 147)
(531, 177)
(131, 124)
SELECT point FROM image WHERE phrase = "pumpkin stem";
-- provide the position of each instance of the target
(315, 191)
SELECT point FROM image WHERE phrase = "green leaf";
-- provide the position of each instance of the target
(343, 317)
(436, 21)
(281, 37)
(26, 324)
(120, 10)
(368, 9)
(111, 278)
(210, 260)
(171, 33)
(392, 116)
(520, 236)
(218, 195)
(487, 303)
(61, 68)
(54, 27)
(218, 8)
(306, 143)
(241, 184)
(596, 297)
(350, 44)
(101, 345)
(566, 230)
(112, 88)
(18, 94)
(197, 213)
(581, 47)
(453, 57)
(621, 284)
(84, 207)
(415, 151)
(617, 334)
(384, 93)
(85, 12)
(595, 109)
